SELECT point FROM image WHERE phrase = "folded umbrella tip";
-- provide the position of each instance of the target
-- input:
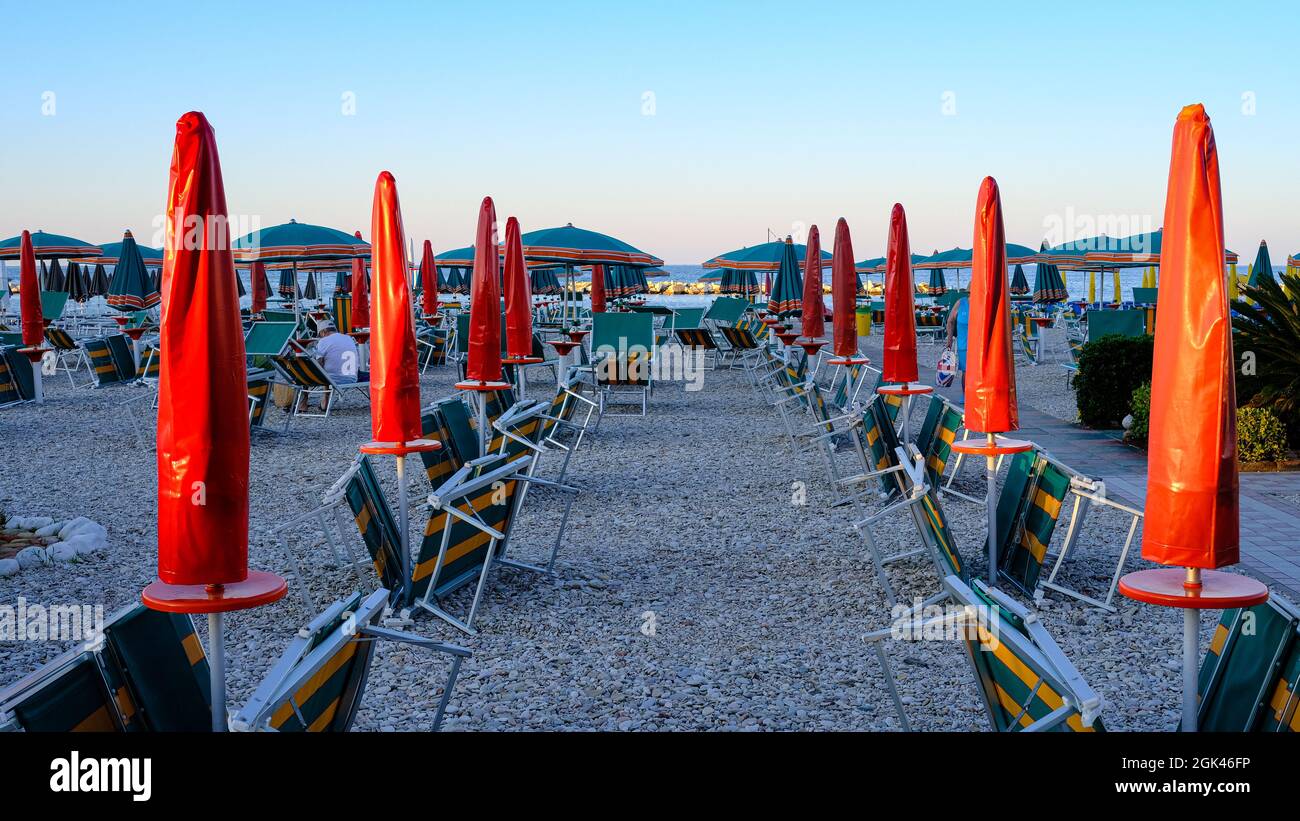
(1195, 111)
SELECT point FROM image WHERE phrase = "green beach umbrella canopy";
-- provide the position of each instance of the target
(296, 241)
(131, 288)
(963, 257)
(49, 246)
(112, 251)
(1262, 268)
(1019, 284)
(786, 298)
(769, 256)
(574, 246)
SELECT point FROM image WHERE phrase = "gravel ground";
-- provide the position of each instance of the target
(691, 514)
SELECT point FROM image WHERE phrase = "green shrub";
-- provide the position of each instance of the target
(1261, 436)
(1140, 408)
(1110, 369)
(1267, 346)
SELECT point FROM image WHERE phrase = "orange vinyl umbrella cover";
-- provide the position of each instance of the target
(1192, 515)
(519, 298)
(900, 311)
(360, 292)
(598, 289)
(428, 281)
(394, 376)
(990, 373)
(814, 306)
(30, 296)
(202, 390)
(844, 288)
(484, 363)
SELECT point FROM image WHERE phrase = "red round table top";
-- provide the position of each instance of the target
(1000, 447)
(134, 333)
(788, 337)
(848, 360)
(577, 336)
(1163, 586)
(401, 448)
(475, 385)
(812, 346)
(122, 319)
(562, 346)
(522, 360)
(258, 589)
(1041, 320)
(904, 390)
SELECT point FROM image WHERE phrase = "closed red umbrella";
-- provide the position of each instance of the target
(1192, 513)
(598, 289)
(428, 281)
(360, 293)
(900, 316)
(990, 374)
(519, 308)
(394, 376)
(202, 410)
(814, 306)
(484, 361)
(258, 274)
(767, 283)
(844, 287)
(30, 296)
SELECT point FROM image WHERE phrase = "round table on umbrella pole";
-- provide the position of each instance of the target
(991, 447)
(401, 450)
(216, 600)
(35, 354)
(562, 349)
(906, 391)
(519, 362)
(134, 335)
(1193, 590)
(478, 388)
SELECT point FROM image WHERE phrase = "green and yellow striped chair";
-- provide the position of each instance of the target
(151, 369)
(68, 354)
(1248, 681)
(378, 528)
(1029, 507)
(458, 419)
(161, 662)
(9, 390)
(259, 395)
(120, 348)
(103, 365)
(67, 695)
(305, 374)
(934, 440)
(439, 464)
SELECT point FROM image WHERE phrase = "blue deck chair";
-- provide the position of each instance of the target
(1025, 681)
(622, 346)
(1248, 681)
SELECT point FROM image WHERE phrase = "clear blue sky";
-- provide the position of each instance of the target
(765, 115)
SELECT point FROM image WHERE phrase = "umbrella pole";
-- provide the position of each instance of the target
(38, 387)
(990, 501)
(217, 669)
(297, 303)
(484, 439)
(1191, 657)
(403, 524)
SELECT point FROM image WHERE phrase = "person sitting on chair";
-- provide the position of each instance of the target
(339, 358)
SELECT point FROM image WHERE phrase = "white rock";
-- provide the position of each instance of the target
(73, 526)
(9, 567)
(49, 530)
(62, 552)
(87, 543)
(32, 557)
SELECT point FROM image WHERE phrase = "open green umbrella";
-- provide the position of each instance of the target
(1019, 284)
(768, 256)
(49, 246)
(112, 251)
(131, 288)
(787, 289)
(1263, 267)
(298, 242)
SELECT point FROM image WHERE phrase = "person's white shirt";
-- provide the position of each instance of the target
(339, 355)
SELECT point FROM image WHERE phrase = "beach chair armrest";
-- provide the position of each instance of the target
(388, 634)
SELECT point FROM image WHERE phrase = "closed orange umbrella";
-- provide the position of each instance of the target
(428, 281)
(394, 377)
(814, 307)
(484, 361)
(900, 312)
(844, 288)
(990, 374)
(598, 289)
(519, 308)
(202, 411)
(360, 292)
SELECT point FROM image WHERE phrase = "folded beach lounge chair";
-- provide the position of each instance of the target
(1248, 681)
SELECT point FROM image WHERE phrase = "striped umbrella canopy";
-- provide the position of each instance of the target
(1263, 267)
(309, 290)
(1102, 252)
(1048, 285)
(1019, 283)
(739, 283)
(54, 278)
(938, 285)
(288, 283)
(962, 257)
(787, 289)
(112, 251)
(571, 246)
(49, 246)
(295, 241)
(131, 288)
(99, 282)
(766, 257)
